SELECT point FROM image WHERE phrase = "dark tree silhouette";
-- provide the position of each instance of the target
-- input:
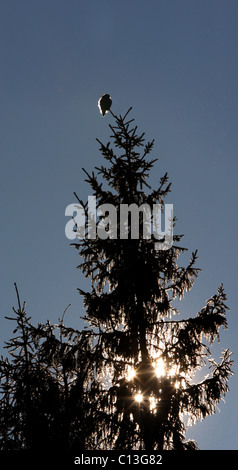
(127, 380)
(144, 360)
(45, 400)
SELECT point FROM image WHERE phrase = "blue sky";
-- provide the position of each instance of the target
(175, 62)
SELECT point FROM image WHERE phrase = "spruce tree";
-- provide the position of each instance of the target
(144, 356)
(44, 395)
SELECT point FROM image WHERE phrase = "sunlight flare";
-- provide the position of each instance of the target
(139, 397)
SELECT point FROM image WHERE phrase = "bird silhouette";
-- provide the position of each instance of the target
(104, 104)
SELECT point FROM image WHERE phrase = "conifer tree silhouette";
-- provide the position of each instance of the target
(44, 399)
(144, 358)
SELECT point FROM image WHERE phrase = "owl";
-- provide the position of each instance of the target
(104, 104)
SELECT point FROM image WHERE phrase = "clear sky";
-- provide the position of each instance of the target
(175, 62)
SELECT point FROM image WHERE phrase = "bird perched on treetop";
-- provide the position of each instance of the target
(104, 104)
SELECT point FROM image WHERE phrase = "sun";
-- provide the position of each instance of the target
(139, 397)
